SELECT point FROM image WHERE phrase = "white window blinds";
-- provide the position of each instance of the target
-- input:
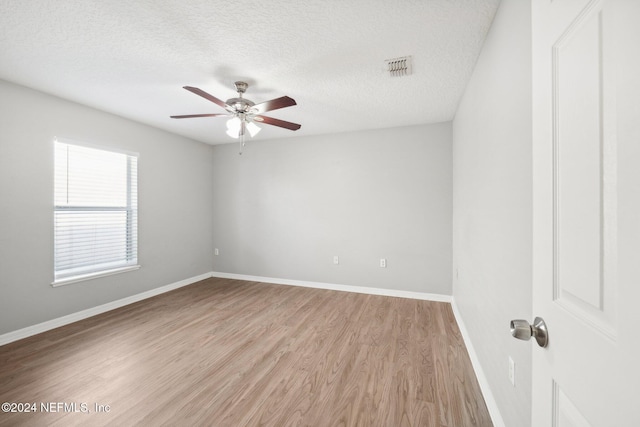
(96, 213)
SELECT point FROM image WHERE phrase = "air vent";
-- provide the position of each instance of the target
(397, 67)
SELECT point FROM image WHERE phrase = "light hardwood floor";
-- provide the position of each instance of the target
(232, 353)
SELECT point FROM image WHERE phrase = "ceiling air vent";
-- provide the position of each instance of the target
(397, 67)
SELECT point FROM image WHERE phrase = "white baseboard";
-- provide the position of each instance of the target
(492, 405)
(74, 317)
(335, 287)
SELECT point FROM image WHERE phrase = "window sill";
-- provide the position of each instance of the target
(83, 277)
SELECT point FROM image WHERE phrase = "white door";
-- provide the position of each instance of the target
(586, 219)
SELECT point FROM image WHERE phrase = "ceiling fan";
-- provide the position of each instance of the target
(244, 113)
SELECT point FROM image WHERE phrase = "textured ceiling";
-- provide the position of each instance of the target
(132, 57)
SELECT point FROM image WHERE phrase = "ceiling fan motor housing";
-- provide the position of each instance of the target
(240, 105)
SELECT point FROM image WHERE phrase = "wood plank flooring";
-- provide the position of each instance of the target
(233, 353)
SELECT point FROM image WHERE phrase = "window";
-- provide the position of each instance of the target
(96, 214)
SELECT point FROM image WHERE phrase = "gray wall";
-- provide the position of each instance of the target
(285, 207)
(492, 203)
(174, 181)
(282, 210)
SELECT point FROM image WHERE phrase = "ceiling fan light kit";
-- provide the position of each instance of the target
(244, 113)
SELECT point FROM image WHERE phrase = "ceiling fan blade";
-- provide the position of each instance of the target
(190, 116)
(206, 96)
(277, 122)
(274, 104)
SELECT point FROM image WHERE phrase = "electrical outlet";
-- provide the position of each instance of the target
(336, 260)
(383, 263)
(216, 251)
(512, 371)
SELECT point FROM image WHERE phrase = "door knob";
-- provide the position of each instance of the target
(522, 330)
